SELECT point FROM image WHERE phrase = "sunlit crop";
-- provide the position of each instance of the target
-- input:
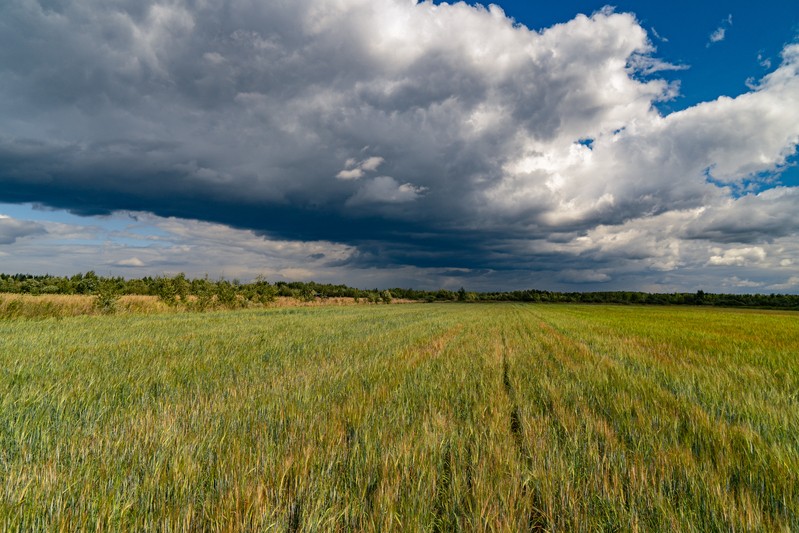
(436, 417)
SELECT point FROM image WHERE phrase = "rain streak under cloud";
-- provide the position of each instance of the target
(385, 142)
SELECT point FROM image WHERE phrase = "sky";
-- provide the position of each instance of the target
(379, 143)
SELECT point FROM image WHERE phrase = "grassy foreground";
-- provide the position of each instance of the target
(419, 417)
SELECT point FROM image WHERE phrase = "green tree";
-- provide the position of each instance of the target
(226, 294)
(106, 297)
(203, 291)
(165, 290)
(87, 283)
(305, 294)
(261, 291)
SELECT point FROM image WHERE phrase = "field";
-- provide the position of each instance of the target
(433, 417)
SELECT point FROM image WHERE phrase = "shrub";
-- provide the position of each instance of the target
(165, 290)
(306, 294)
(106, 297)
(226, 294)
(261, 292)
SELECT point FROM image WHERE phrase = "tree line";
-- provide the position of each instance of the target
(197, 293)
(204, 292)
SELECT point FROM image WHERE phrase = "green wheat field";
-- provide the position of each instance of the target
(423, 417)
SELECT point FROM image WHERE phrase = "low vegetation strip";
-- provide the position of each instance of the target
(27, 306)
(505, 417)
(204, 294)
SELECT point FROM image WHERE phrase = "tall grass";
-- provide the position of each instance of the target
(425, 417)
(27, 306)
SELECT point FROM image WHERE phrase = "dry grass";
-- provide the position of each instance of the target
(61, 306)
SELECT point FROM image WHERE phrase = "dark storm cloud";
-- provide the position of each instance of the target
(432, 136)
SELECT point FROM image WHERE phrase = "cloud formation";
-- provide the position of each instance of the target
(416, 135)
(354, 170)
(11, 230)
(720, 33)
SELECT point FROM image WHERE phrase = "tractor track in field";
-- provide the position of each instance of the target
(537, 519)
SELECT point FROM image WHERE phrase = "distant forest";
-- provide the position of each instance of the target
(179, 288)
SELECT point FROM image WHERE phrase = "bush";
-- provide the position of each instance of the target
(226, 294)
(261, 292)
(306, 294)
(203, 291)
(165, 290)
(106, 297)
